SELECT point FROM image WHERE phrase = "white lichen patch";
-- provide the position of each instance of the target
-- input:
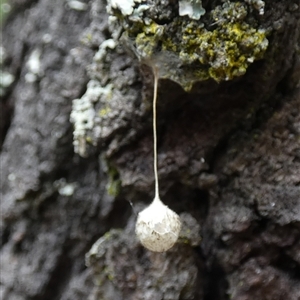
(105, 107)
(259, 5)
(83, 114)
(6, 80)
(64, 188)
(125, 6)
(138, 12)
(110, 43)
(77, 5)
(11, 177)
(128, 8)
(34, 66)
(191, 8)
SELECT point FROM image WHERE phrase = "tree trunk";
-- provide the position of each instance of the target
(228, 155)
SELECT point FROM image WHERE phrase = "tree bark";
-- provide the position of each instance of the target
(229, 164)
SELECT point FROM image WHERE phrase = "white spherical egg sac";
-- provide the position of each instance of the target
(158, 227)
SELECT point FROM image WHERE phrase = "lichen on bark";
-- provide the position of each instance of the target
(221, 45)
(228, 156)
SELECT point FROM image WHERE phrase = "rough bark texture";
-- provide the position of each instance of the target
(229, 163)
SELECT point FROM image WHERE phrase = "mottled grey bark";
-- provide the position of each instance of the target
(229, 161)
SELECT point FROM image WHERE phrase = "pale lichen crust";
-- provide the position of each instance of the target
(83, 115)
(187, 49)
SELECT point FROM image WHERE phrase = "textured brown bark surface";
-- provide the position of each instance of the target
(229, 161)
